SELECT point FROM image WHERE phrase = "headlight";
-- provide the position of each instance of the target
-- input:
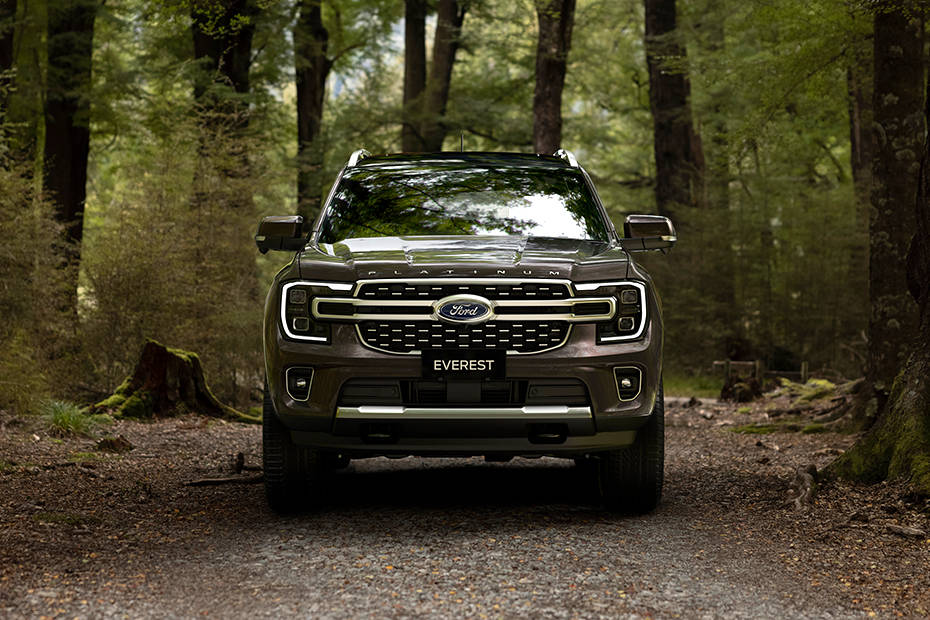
(296, 320)
(630, 319)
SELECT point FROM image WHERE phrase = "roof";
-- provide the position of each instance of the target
(453, 158)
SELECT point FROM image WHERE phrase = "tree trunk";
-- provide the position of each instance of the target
(713, 231)
(859, 91)
(899, 125)
(312, 66)
(449, 20)
(414, 74)
(678, 153)
(718, 157)
(7, 19)
(556, 19)
(67, 122)
(898, 444)
(22, 84)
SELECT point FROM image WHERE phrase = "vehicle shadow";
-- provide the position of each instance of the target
(471, 483)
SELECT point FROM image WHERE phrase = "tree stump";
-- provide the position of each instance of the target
(166, 382)
(741, 389)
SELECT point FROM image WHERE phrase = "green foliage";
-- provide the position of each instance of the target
(767, 429)
(816, 389)
(22, 379)
(686, 384)
(770, 97)
(83, 457)
(805, 393)
(756, 429)
(811, 429)
(63, 418)
(774, 269)
(36, 331)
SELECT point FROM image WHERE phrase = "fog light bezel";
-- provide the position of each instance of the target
(639, 385)
(287, 382)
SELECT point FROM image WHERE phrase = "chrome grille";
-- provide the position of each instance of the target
(521, 337)
(491, 290)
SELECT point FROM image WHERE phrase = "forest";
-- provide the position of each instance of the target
(141, 142)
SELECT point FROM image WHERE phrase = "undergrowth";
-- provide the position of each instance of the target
(698, 385)
(63, 419)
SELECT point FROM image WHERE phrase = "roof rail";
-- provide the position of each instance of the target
(568, 157)
(357, 156)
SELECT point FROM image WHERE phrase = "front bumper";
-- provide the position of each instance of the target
(604, 422)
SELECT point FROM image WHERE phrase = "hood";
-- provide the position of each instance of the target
(380, 257)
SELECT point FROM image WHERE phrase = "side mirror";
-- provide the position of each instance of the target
(281, 232)
(648, 232)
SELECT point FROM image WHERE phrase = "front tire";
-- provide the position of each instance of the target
(292, 472)
(631, 478)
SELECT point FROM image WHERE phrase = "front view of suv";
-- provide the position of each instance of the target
(463, 304)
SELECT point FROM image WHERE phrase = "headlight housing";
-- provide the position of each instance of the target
(297, 322)
(629, 322)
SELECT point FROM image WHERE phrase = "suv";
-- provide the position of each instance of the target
(464, 304)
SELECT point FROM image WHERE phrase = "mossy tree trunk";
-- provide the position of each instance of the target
(898, 126)
(166, 382)
(898, 445)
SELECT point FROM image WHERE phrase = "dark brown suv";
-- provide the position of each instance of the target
(458, 304)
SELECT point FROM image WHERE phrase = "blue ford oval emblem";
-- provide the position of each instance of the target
(463, 310)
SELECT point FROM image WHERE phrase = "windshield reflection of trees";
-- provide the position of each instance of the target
(454, 201)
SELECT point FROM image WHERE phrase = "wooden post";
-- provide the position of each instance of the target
(760, 373)
(804, 373)
(726, 372)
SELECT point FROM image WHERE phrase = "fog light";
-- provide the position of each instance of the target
(298, 381)
(301, 324)
(297, 296)
(629, 381)
(626, 323)
(629, 297)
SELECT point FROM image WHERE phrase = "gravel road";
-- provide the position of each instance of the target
(425, 538)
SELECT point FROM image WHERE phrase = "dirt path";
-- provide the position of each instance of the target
(114, 536)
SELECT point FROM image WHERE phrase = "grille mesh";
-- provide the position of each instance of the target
(523, 290)
(523, 337)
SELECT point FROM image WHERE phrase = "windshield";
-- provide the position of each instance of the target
(462, 200)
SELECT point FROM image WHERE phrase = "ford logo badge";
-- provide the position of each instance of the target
(463, 309)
